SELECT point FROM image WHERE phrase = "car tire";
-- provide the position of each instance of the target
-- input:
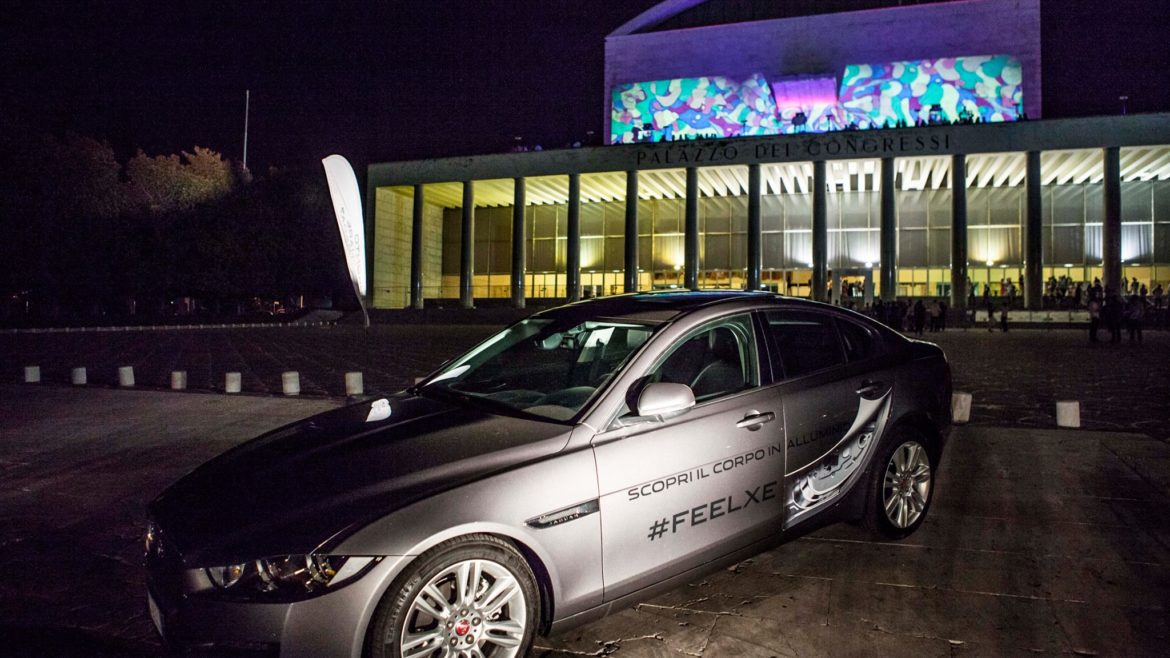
(432, 606)
(901, 486)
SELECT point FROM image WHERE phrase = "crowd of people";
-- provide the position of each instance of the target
(1113, 309)
(1131, 308)
(1063, 292)
(910, 317)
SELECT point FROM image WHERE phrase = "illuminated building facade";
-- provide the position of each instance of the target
(795, 155)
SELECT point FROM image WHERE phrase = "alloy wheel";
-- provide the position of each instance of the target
(907, 483)
(470, 609)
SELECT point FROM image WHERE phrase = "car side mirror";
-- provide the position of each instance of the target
(664, 400)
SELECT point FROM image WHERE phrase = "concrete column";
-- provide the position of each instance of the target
(820, 232)
(755, 234)
(1033, 236)
(691, 231)
(467, 246)
(1111, 230)
(631, 231)
(416, 257)
(888, 250)
(573, 248)
(518, 243)
(959, 233)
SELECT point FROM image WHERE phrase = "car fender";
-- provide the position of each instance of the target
(504, 505)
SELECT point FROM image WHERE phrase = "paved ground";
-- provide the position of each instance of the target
(1039, 542)
(1016, 377)
(389, 356)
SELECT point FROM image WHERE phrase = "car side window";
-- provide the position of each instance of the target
(806, 341)
(715, 360)
(860, 343)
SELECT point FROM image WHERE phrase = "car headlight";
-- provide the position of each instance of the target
(151, 538)
(288, 576)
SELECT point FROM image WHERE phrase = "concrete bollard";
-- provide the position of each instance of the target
(960, 407)
(77, 377)
(178, 380)
(126, 376)
(32, 374)
(291, 382)
(353, 383)
(231, 382)
(1068, 413)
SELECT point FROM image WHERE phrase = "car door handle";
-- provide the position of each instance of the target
(869, 388)
(754, 420)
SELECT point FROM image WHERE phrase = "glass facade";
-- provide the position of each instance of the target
(1072, 219)
(1072, 203)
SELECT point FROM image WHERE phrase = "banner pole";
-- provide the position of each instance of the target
(347, 206)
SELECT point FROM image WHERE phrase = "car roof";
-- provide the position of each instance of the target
(664, 305)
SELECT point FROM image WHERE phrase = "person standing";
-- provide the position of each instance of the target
(919, 316)
(942, 316)
(1094, 318)
(1135, 312)
(1003, 318)
(1159, 310)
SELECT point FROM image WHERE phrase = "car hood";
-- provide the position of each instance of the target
(313, 482)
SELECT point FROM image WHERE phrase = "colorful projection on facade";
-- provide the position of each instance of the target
(946, 90)
(808, 105)
(665, 110)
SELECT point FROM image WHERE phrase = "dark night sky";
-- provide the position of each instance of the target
(381, 81)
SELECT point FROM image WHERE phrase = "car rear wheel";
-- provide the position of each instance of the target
(902, 486)
(473, 597)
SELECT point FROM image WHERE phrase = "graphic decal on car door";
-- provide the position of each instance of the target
(815, 485)
(678, 492)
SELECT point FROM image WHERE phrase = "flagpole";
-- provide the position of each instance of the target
(247, 103)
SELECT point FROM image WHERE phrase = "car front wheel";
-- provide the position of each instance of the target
(901, 488)
(473, 597)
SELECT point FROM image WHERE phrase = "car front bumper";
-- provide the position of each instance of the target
(333, 624)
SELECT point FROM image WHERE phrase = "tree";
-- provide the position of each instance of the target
(58, 191)
(166, 183)
(80, 232)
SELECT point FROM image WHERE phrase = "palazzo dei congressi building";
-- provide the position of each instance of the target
(893, 151)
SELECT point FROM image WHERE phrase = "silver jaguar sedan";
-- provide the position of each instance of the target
(574, 463)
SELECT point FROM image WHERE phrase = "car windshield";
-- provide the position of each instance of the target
(541, 366)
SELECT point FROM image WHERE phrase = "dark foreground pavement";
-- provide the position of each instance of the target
(1039, 542)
